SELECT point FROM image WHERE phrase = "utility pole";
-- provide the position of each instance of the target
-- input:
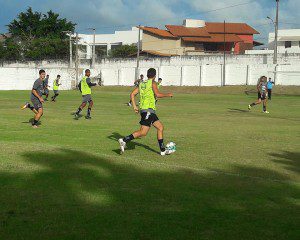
(224, 55)
(71, 60)
(138, 54)
(76, 61)
(276, 32)
(94, 46)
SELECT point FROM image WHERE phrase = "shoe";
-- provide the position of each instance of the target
(122, 145)
(88, 117)
(166, 152)
(35, 126)
(129, 104)
(249, 107)
(25, 106)
(265, 112)
(76, 116)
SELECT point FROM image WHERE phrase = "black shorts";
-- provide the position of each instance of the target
(262, 96)
(148, 118)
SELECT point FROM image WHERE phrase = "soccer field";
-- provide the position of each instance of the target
(235, 174)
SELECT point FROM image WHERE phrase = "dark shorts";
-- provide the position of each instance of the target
(36, 104)
(148, 118)
(55, 91)
(86, 98)
(262, 96)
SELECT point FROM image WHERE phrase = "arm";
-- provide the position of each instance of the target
(158, 94)
(34, 92)
(88, 81)
(132, 97)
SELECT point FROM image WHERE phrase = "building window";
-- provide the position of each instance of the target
(288, 44)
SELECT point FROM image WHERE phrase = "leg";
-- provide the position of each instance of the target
(269, 94)
(88, 115)
(80, 109)
(137, 134)
(160, 133)
(160, 129)
(265, 106)
(37, 117)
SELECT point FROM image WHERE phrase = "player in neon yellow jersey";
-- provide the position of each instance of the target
(148, 92)
(86, 91)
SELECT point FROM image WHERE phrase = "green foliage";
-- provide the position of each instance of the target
(37, 36)
(123, 51)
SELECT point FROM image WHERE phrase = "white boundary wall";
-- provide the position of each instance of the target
(208, 71)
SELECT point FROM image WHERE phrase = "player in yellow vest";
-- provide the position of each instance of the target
(56, 85)
(86, 91)
(148, 92)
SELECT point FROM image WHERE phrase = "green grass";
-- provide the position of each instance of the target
(235, 174)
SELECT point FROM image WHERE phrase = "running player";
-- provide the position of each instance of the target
(147, 90)
(136, 84)
(261, 94)
(158, 87)
(36, 98)
(56, 85)
(46, 87)
(86, 91)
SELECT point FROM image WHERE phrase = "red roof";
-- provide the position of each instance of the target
(159, 32)
(229, 38)
(182, 31)
(235, 28)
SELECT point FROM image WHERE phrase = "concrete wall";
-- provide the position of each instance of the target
(180, 71)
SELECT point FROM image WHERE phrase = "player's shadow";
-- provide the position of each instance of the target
(68, 194)
(31, 121)
(238, 110)
(129, 146)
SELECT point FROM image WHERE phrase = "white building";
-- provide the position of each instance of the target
(288, 42)
(106, 42)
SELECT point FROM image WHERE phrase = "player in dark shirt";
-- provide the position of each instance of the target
(262, 94)
(36, 98)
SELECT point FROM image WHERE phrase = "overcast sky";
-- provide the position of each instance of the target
(109, 15)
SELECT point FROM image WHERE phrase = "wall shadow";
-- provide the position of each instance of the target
(77, 195)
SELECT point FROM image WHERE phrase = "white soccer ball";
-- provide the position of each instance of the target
(171, 147)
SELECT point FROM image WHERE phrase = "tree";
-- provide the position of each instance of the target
(123, 51)
(37, 36)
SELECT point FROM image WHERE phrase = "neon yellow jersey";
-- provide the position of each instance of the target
(55, 85)
(85, 88)
(158, 85)
(147, 98)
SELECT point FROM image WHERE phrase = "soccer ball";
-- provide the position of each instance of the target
(171, 147)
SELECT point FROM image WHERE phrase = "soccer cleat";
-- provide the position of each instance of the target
(166, 152)
(76, 116)
(122, 145)
(129, 104)
(88, 117)
(25, 106)
(35, 126)
(249, 107)
(265, 112)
